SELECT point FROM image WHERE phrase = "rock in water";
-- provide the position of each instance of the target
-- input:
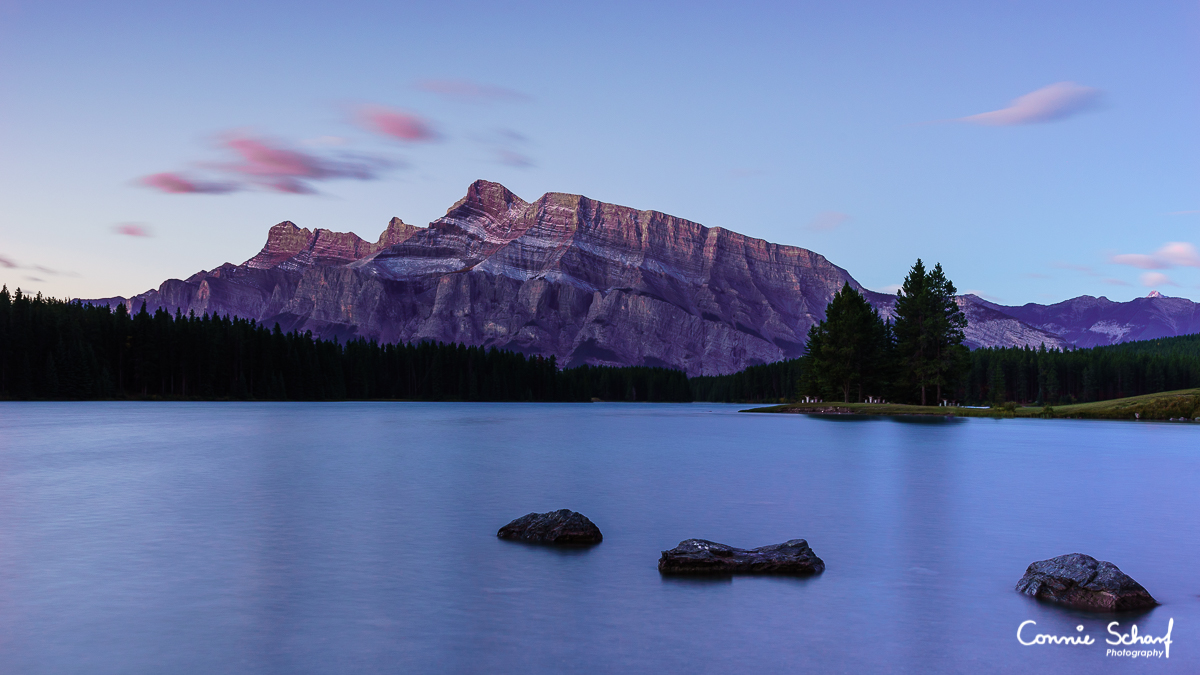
(557, 527)
(697, 556)
(1083, 582)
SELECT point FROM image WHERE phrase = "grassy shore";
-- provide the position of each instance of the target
(1167, 405)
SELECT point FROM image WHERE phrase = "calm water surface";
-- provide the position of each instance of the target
(360, 537)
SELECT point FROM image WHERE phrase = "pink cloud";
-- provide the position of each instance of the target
(176, 184)
(273, 162)
(469, 92)
(272, 166)
(5, 262)
(1157, 279)
(1048, 104)
(1173, 254)
(131, 229)
(397, 124)
(828, 221)
(1117, 282)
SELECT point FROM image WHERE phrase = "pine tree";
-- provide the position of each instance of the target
(929, 331)
(848, 348)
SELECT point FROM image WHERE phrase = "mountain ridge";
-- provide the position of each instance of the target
(565, 276)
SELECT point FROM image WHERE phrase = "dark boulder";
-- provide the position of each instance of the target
(1083, 582)
(557, 527)
(697, 556)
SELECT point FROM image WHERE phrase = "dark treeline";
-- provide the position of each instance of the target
(1000, 374)
(51, 349)
(855, 356)
(1052, 377)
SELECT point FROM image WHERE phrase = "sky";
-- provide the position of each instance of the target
(1037, 150)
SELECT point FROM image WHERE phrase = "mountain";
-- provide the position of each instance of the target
(568, 276)
(1087, 322)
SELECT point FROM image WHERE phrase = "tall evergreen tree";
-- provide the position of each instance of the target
(847, 350)
(950, 358)
(929, 331)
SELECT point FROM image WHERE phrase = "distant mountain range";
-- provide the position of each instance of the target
(590, 282)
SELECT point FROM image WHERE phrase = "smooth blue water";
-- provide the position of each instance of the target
(360, 537)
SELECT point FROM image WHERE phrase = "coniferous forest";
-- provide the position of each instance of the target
(52, 349)
(997, 375)
(918, 358)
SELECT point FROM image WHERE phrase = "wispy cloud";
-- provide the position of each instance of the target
(1117, 282)
(465, 91)
(397, 124)
(1173, 254)
(513, 158)
(9, 263)
(132, 229)
(1036, 275)
(1048, 104)
(827, 221)
(507, 147)
(176, 183)
(325, 141)
(269, 165)
(1150, 279)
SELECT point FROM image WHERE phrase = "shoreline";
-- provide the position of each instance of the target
(1169, 406)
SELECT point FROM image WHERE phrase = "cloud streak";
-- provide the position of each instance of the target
(131, 229)
(465, 91)
(178, 184)
(1048, 104)
(1150, 279)
(269, 165)
(396, 124)
(1173, 254)
(9, 263)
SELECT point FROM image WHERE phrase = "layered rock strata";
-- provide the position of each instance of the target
(577, 279)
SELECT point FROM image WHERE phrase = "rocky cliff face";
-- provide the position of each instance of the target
(584, 281)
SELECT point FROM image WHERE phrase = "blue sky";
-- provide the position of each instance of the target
(838, 127)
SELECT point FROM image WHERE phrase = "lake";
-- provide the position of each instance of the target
(360, 537)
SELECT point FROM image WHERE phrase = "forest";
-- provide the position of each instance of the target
(54, 349)
(853, 355)
(997, 375)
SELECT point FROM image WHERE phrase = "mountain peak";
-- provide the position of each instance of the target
(1154, 294)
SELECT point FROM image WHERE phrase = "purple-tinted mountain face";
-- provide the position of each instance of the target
(1086, 321)
(584, 281)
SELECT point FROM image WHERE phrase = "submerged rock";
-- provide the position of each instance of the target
(1083, 582)
(557, 527)
(698, 556)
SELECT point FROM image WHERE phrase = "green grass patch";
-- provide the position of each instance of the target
(1184, 403)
